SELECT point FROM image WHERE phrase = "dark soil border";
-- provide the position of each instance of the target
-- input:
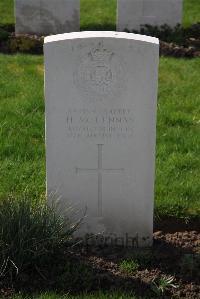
(28, 44)
(178, 42)
(173, 224)
(93, 268)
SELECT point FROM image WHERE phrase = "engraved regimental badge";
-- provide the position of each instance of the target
(100, 74)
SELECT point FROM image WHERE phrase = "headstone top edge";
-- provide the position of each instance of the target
(100, 34)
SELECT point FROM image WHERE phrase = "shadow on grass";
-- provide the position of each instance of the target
(164, 259)
(84, 269)
(76, 274)
(98, 27)
(90, 269)
(8, 27)
(88, 27)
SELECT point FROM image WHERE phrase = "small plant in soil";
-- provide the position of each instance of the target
(129, 266)
(160, 285)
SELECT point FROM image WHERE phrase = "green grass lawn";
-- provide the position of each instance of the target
(97, 14)
(6, 12)
(22, 166)
(22, 152)
(191, 12)
(178, 142)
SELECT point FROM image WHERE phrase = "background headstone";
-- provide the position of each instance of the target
(44, 17)
(101, 91)
(132, 14)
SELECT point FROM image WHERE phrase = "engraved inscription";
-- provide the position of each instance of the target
(105, 123)
(100, 74)
(99, 171)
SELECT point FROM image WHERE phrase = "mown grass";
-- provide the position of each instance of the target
(191, 12)
(6, 12)
(98, 14)
(22, 166)
(178, 142)
(22, 152)
(101, 14)
(129, 266)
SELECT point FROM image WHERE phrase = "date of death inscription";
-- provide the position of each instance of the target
(105, 123)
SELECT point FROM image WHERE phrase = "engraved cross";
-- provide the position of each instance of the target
(99, 171)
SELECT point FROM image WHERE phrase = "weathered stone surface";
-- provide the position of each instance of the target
(132, 14)
(101, 91)
(45, 17)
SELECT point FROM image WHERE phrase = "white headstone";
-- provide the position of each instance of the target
(45, 17)
(101, 94)
(133, 14)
